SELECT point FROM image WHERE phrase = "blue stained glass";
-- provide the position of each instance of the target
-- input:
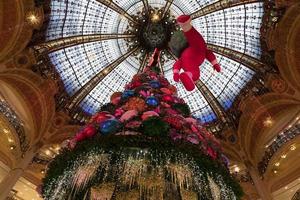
(236, 28)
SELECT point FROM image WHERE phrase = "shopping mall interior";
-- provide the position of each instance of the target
(64, 63)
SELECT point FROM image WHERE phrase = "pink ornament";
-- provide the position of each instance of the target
(136, 84)
(128, 115)
(148, 114)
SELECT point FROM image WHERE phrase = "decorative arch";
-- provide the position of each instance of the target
(287, 48)
(252, 131)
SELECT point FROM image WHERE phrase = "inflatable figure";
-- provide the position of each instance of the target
(192, 56)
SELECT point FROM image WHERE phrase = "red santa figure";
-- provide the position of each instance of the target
(192, 56)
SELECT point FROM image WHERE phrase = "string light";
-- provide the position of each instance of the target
(47, 152)
(138, 168)
(268, 122)
(237, 169)
(283, 156)
(155, 17)
(33, 18)
(293, 147)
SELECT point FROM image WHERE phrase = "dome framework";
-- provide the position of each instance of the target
(87, 42)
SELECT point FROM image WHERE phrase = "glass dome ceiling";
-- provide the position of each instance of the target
(235, 27)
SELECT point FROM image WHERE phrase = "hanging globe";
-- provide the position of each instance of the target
(110, 126)
(152, 101)
(127, 93)
(155, 84)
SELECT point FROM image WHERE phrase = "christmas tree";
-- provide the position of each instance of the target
(144, 144)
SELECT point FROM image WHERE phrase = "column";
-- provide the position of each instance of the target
(259, 184)
(14, 174)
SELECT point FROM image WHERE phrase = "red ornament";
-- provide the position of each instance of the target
(166, 91)
(115, 98)
(173, 89)
(89, 131)
(167, 98)
(174, 121)
(136, 77)
(171, 112)
(136, 84)
(163, 81)
(211, 152)
(102, 116)
(80, 136)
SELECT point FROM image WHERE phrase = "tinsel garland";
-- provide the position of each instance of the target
(113, 143)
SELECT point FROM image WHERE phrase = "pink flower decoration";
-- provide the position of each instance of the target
(145, 93)
(128, 115)
(148, 114)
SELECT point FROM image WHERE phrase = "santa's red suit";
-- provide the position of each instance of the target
(193, 56)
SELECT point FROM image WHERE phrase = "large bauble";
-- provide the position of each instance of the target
(152, 101)
(127, 93)
(110, 126)
(155, 84)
